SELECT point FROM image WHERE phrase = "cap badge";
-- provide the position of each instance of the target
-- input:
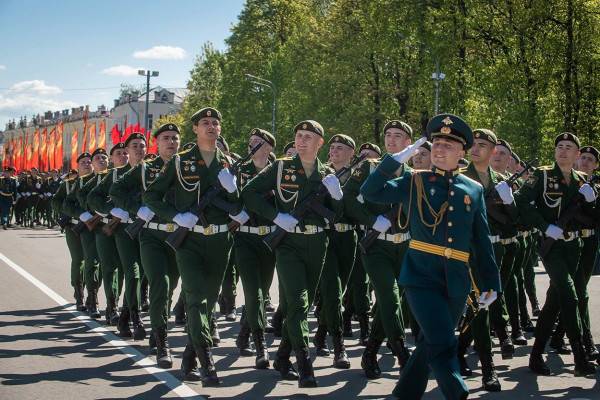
(445, 130)
(565, 136)
(447, 121)
(304, 126)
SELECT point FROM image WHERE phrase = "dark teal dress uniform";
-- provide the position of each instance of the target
(435, 271)
(8, 192)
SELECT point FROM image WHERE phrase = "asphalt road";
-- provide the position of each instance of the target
(50, 351)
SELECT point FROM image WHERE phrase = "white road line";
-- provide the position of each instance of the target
(176, 386)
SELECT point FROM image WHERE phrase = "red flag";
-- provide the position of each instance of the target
(50, 146)
(102, 135)
(20, 154)
(153, 147)
(74, 149)
(58, 148)
(92, 134)
(43, 156)
(35, 155)
(128, 131)
(115, 135)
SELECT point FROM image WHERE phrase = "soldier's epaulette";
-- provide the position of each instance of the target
(545, 168)
(582, 175)
(471, 180)
(183, 152)
(284, 159)
(462, 170)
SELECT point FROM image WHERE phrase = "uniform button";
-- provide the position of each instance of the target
(450, 180)
(451, 208)
(450, 223)
(450, 240)
(452, 193)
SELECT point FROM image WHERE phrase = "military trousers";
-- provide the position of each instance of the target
(110, 265)
(299, 262)
(499, 315)
(561, 264)
(91, 263)
(202, 261)
(357, 299)
(5, 205)
(230, 280)
(437, 316)
(583, 276)
(76, 252)
(511, 288)
(160, 267)
(382, 263)
(129, 254)
(256, 265)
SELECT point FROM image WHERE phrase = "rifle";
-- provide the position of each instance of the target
(369, 238)
(109, 228)
(310, 203)
(93, 222)
(176, 238)
(492, 198)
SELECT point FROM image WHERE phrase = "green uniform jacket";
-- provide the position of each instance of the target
(186, 177)
(71, 206)
(246, 172)
(463, 227)
(8, 187)
(82, 194)
(287, 177)
(99, 198)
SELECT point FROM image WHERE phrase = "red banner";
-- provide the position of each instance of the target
(58, 147)
(102, 135)
(74, 149)
(50, 146)
(42, 155)
(92, 135)
(115, 135)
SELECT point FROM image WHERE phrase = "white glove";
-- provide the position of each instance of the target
(227, 180)
(588, 192)
(360, 199)
(48, 194)
(119, 213)
(505, 192)
(487, 298)
(382, 224)
(186, 219)
(27, 194)
(408, 152)
(554, 232)
(38, 186)
(332, 183)
(240, 218)
(145, 213)
(286, 222)
(85, 217)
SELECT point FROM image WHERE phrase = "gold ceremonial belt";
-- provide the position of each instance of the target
(439, 250)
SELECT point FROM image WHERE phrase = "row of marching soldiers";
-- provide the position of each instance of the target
(26, 197)
(197, 209)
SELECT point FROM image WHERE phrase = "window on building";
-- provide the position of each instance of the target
(150, 121)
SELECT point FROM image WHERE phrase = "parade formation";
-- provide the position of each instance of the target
(405, 239)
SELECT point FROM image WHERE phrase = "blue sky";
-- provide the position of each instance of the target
(51, 50)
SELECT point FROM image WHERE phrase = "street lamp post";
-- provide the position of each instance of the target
(147, 74)
(267, 83)
(437, 76)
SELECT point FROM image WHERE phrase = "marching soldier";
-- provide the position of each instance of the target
(541, 201)
(447, 224)
(383, 259)
(301, 254)
(253, 259)
(8, 195)
(158, 259)
(422, 160)
(203, 256)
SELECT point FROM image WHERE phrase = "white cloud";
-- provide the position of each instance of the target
(35, 86)
(161, 53)
(2, 67)
(27, 104)
(121, 70)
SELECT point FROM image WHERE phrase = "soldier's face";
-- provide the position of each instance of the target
(500, 158)
(566, 153)
(396, 140)
(587, 163)
(100, 162)
(84, 166)
(136, 149)
(340, 154)
(291, 152)
(422, 160)
(119, 157)
(445, 153)
(370, 154)
(307, 143)
(168, 144)
(482, 151)
(207, 129)
(265, 148)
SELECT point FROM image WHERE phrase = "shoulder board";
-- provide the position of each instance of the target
(462, 170)
(581, 175)
(184, 152)
(545, 168)
(284, 159)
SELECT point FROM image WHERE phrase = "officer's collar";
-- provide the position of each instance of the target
(443, 172)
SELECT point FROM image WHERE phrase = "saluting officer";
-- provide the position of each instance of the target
(448, 224)
(301, 254)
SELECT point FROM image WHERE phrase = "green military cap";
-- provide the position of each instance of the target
(370, 146)
(567, 136)
(117, 146)
(235, 156)
(264, 135)
(288, 146)
(188, 145)
(311, 126)
(426, 145)
(485, 134)
(516, 157)
(133, 136)
(451, 127)
(9, 168)
(73, 172)
(83, 155)
(206, 112)
(591, 150)
(223, 142)
(272, 157)
(166, 128)
(463, 163)
(400, 125)
(502, 142)
(99, 150)
(150, 157)
(344, 139)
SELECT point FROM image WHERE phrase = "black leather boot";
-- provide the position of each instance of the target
(124, 330)
(306, 374)
(369, 359)
(583, 367)
(262, 356)
(209, 372)
(320, 341)
(282, 362)
(507, 348)
(144, 304)
(93, 308)
(189, 365)
(363, 322)
(400, 351)
(340, 358)
(518, 337)
(79, 297)
(163, 352)
(536, 359)
(590, 346)
(139, 333)
(347, 323)
(489, 378)
(243, 339)
(214, 330)
(152, 343)
(114, 312)
(557, 341)
(463, 345)
(179, 311)
(277, 322)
